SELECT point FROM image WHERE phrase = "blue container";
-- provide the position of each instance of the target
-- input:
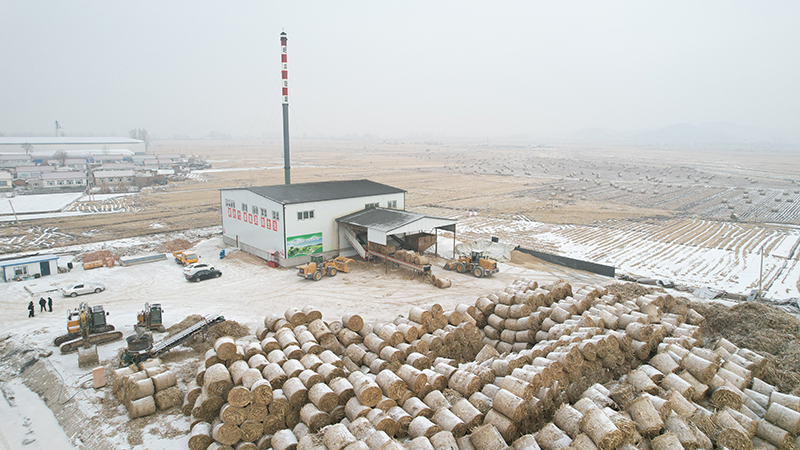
(222, 254)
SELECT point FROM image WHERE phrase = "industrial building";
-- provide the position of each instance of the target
(289, 223)
(50, 145)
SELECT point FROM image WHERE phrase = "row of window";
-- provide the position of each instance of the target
(64, 182)
(254, 209)
(305, 215)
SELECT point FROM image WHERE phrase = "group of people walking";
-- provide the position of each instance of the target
(44, 305)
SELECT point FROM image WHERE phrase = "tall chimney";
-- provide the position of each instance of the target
(285, 81)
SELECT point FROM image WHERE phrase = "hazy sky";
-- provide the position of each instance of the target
(446, 69)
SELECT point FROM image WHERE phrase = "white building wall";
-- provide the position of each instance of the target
(325, 215)
(259, 240)
(240, 228)
(32, 269)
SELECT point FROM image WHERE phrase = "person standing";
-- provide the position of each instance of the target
(30, 309)
(49, 304)
(42, 304)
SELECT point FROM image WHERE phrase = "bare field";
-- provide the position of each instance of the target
(651, 211)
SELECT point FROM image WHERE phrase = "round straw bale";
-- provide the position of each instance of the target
(486, 437)
(207, 406)
(367, 391)
(226, 433)
(677, 426)
(342, 388)
(786, 418)
(416, 407)
(134, 390)
(667, 441)
(481, 402)
(412, 376)
(401, 418)
(683, 407)
(232, 414)
(142, 407)
(435, 379)
(444, 440)
(167, 398)
(700, 368)
(313, 417)
(420, 443)
(273, 423)
(240, 396)
(787, 400)
(295, 392)
(251, 432)
(726, 395)
(510, 405)
(274, 374)
(775, 435)
(295, 316)
(647, 418)
(464, 383)
(601, 429)
(360, 427)
(256, 413)
(286, 440)
(664, 363)
(323, 397)
(641, 382)
(550, 437)
(200, 437)
(507, 427)
(354, 409)
(568, 419)
(468, 414)
(310, 378)
(678, 384)
(225, 348)
(336, 437)
(422, 426)
(382, 421)
(436, 400)
(217, 380)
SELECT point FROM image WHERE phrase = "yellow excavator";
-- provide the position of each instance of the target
(86, 325)
(318, 267)
(150, 318)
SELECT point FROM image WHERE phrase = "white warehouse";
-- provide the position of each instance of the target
(289, 223)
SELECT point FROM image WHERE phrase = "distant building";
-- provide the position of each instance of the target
(10, 160)
(50, 145)
(113, 177)
(29, 267)
(27, 172)
(72, 180)
(6, 181)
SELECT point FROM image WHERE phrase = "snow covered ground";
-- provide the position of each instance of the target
(24, 204)
(247, 291)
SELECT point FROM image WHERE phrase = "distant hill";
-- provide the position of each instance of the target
(682, 133)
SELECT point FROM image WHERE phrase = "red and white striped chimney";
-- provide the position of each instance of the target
(285, 87)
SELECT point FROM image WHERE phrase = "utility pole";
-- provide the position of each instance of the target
(760, 272)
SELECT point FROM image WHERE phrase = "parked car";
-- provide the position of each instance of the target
(193, 268)
(74, 290)
(204, 274)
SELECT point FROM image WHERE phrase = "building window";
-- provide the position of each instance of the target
(254, 209)
(392, 204)
(20, 271)
(230, 204)
(371, 205)
(244, 207)
(305, 215)
(263, 212)
(276, 216)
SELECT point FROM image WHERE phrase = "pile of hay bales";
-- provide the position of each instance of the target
(146, 387)
(410, 256)
(538, 368)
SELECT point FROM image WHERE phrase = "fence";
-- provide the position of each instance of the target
(572, 263)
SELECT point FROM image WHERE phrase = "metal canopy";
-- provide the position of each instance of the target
(381, 222)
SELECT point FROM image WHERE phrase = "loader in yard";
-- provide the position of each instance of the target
(150, 318)
(476, 264)
(318, 267)
(86, 325)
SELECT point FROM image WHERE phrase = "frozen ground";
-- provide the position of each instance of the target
(246, 292)
(24, 204)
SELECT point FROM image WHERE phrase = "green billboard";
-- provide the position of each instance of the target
(306, 244)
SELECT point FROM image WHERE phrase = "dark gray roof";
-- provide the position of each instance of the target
(385, 220)
(322, 191)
